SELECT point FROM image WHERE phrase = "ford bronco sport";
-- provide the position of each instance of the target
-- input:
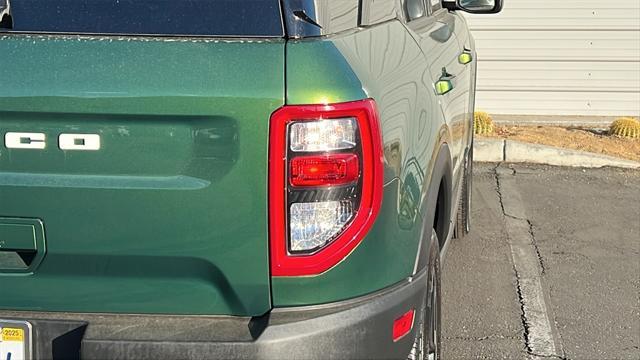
(201, 179)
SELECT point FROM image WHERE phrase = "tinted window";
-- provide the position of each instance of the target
(415, 9)
(153, 17)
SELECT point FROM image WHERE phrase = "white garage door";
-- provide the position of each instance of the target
(547, 58)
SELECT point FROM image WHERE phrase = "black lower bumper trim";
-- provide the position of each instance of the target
(354, 329)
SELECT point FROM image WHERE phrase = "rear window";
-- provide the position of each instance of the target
(246, 18)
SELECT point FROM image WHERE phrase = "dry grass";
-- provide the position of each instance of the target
(573, 138)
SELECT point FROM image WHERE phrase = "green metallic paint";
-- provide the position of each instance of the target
(389, 67)
(170, 215)
(317, 73)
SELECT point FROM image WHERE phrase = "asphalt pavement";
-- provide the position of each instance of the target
(551, 268)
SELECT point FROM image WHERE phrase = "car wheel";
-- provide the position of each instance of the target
(427, 342)
(463, 220)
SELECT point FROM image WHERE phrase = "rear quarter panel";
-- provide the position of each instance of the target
(384, 63)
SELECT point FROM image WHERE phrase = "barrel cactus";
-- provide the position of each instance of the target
(483, 123)
(626, 127)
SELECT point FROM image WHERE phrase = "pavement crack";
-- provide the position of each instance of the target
(523, 316)
(528, 268)
(529, 223)
(481, 338)
(535, 245)
(499, 188)
(496, 175)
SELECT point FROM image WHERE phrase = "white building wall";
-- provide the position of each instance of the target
(549, 58)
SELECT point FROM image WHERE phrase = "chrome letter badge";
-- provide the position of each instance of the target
(16, 140)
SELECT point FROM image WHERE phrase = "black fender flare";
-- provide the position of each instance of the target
(441, 173)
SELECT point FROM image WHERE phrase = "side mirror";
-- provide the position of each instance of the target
(476, 6)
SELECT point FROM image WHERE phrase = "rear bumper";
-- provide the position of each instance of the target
(354, 329)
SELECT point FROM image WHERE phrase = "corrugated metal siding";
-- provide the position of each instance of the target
(550, 57)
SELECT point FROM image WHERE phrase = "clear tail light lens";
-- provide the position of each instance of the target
(314, 224)
(323, 135)
(325, 184)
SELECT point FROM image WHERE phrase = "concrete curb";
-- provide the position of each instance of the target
(499, 150)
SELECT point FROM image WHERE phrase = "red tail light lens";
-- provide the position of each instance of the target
(338, 169)
(325, 184)
(403, 324)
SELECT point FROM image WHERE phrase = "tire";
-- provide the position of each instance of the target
(427, 345)
(463, 218)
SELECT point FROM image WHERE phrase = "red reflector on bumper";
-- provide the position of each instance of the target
(403, 324)
(327, 170)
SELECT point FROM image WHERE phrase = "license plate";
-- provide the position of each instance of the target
(15, 340)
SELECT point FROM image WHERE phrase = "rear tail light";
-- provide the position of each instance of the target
(325, 184)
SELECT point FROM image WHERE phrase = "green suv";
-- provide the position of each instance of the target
(202, 179)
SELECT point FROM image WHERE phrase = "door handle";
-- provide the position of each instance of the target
(17, 237)
(466, 57)
(22, 245)
(444, 84)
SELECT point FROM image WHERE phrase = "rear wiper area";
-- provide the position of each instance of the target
(6, 21)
